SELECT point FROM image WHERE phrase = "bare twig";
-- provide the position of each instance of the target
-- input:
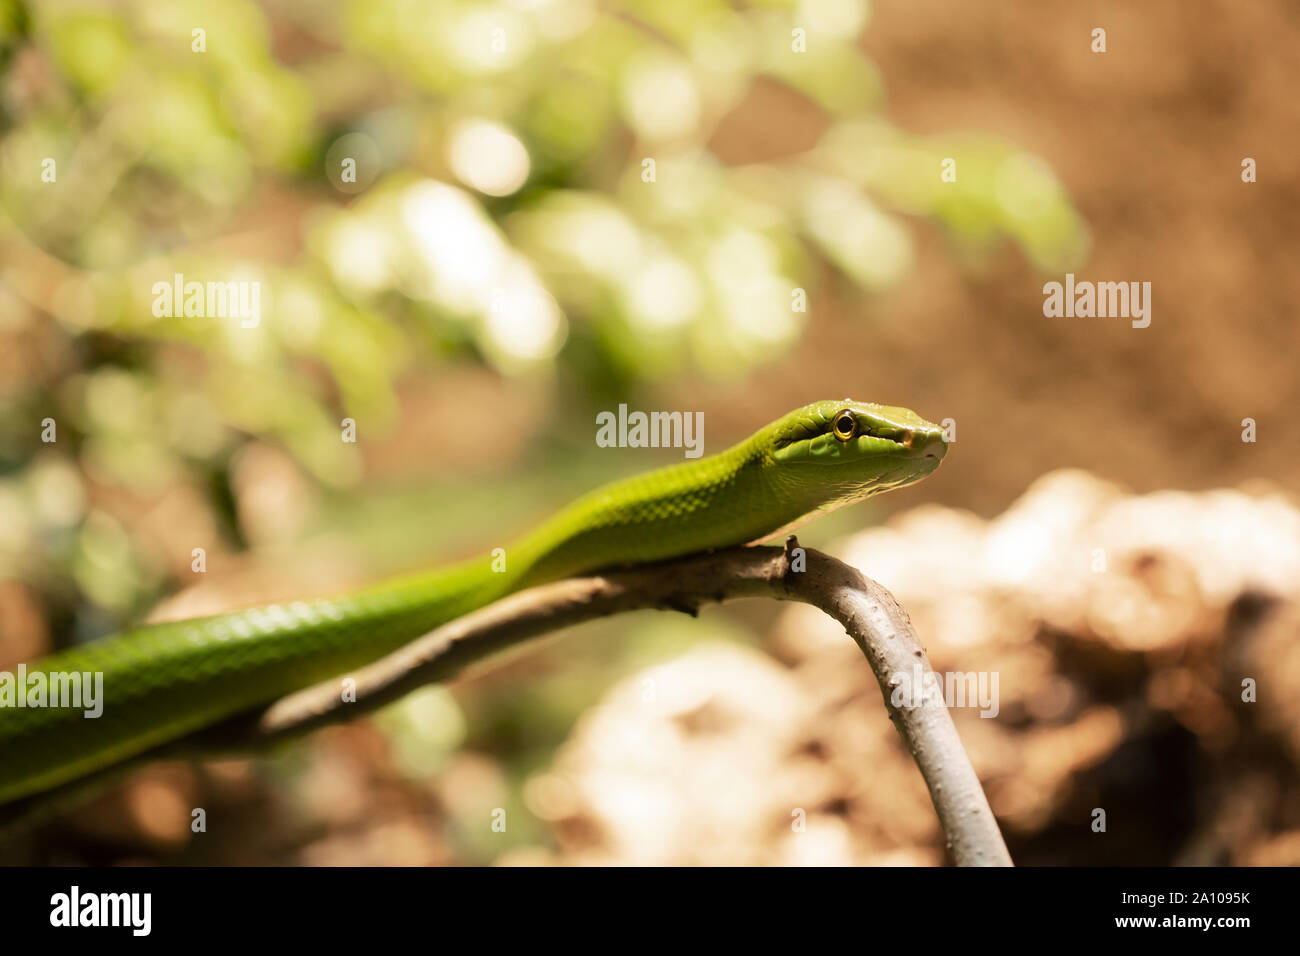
(867, 611)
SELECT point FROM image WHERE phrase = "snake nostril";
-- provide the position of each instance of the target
(933, 445)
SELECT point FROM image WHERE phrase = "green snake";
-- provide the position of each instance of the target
(164, 681)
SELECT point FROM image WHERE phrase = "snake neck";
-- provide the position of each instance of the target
(727, 499)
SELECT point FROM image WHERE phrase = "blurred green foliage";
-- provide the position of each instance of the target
(500, 214)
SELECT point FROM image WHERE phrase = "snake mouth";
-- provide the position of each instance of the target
(904, 445)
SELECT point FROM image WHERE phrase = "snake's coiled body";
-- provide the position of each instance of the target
(164, 681)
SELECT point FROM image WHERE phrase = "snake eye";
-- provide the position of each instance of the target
(844, 425)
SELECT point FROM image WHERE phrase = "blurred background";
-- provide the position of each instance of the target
(499, 256)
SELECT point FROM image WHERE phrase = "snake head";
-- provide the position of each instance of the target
(867, 447)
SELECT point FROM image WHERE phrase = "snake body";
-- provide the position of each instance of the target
(163, 681)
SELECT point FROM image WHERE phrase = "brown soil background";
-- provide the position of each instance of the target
(1148, 139)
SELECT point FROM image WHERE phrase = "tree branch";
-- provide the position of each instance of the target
(867, 611)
